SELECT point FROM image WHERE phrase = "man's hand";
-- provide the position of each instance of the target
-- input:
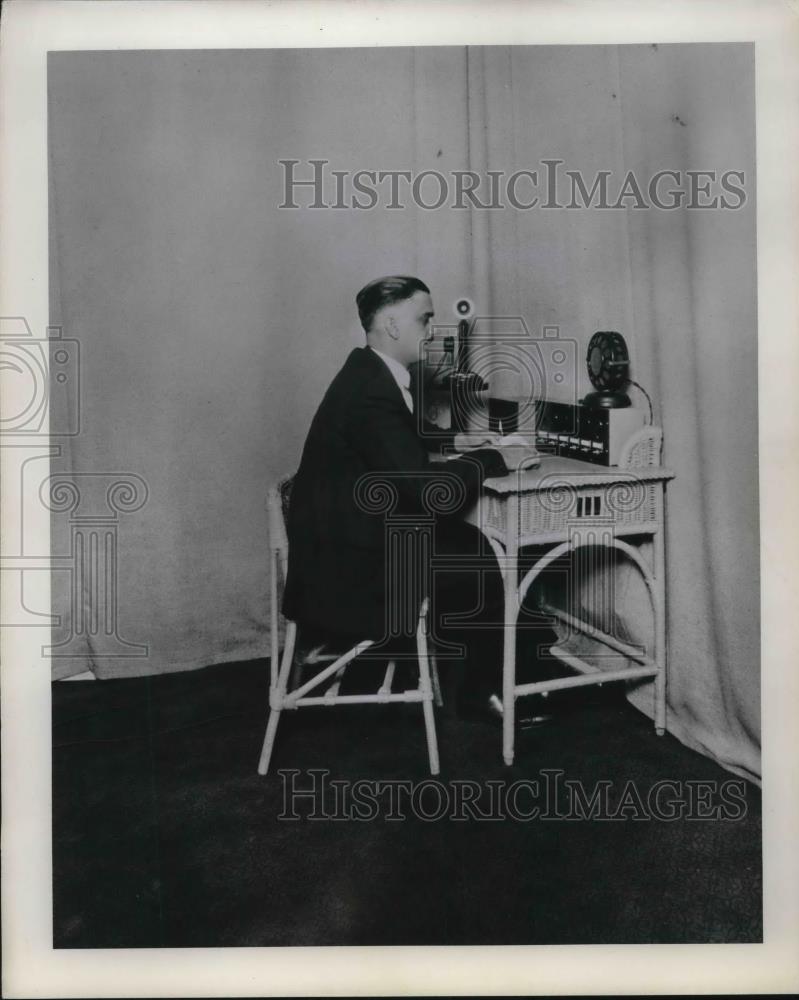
(469, 440)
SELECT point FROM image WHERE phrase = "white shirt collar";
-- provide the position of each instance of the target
(401, 374)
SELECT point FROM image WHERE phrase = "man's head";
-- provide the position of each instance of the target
(395, 312)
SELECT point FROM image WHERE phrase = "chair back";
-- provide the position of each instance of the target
(277, 505)
(277, 501)
(643, 449)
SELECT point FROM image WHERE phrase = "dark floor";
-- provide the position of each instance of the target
(164, 834)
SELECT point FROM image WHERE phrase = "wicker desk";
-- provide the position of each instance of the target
(565, 504)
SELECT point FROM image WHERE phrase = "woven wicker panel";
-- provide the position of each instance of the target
(492, 511)
(553, 511)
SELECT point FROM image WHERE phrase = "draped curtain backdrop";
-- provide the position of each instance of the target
(210, 320)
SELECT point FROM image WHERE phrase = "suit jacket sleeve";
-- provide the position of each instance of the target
(435, 438)
(387, 442)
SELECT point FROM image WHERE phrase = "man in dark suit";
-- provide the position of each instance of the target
(365, 446)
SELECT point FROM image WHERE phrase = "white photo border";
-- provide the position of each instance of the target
(32, 968)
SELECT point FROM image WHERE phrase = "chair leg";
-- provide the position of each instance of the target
(436, 682)
(276, 696)
(432, 743)
(427, 702)
(296, 675)
(388, 680)
(269, 741)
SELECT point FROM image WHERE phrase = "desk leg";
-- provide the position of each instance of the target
(510, 575)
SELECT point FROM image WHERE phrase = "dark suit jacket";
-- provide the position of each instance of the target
(337, 552)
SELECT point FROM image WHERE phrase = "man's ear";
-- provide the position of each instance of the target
(390, 327)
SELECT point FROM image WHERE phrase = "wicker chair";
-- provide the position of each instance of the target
(291, 688)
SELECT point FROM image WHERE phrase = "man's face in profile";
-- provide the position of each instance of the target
(410, 321)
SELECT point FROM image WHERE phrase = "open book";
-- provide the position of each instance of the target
(518, 451)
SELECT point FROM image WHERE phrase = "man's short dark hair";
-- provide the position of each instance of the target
(383, 292)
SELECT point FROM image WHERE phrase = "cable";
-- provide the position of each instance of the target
(446, 356)
(643, 390)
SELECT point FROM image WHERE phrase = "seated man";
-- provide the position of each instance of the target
(365, 434)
